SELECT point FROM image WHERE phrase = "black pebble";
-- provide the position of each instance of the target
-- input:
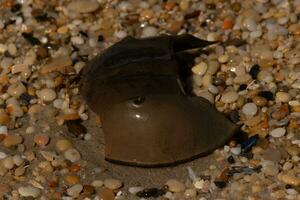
(42, 18)
(234, 116)
(150, 192)
(231, 160)
(16, 8)
(100, 38)
(242, 87)
(254, 71)
(31, 39)
(218, 82)
(76, 128)
(220, 184)
(267, 95)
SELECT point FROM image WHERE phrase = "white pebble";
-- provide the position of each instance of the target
(278, 132)
(249, 109)
(8, 162)
(29, 191)
(77, 40)
(112, 184)
(3, 130)
(199, 184)
(18, 160)
(223, 58)
(175, 186)
(213, 89)
(134, 190)
(236, 150)
(75, 190)
(46, 94)
(120, 34)
(2, 155)
(250, 24)
(149, 31)
(72, 155)
(200, 68)
(229, 97)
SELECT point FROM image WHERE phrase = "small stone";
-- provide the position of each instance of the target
(63, 145)
(200, 68)
(259, 101)
(265, 76)
(283, 97)
(175, 186)
(190, 193)
(267, 95)
(46, 94)
(8, 162)
(112, 184)
(2, 155)
(236, 150)
(88, 190)
(41, 139)
(29, 191)
(97, 183)
(249, 109)
(72, 155)
(12, 140)
(19, 171)
(18, 160)
(281, 112)
(106, 194)
(278, 132)
(149, 31)
(199, 184)
(254, 71)
(293, 150)
(290, 179)
(83, 6)
(213, 67)
(287, 166)
(270, 170)
(16, 89)
(59, 64)
(223, 58)
(72, 179)
(75, 190)
(134, 190)
(229, 97)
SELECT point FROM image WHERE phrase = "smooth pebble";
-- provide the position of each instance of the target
(175, 186)
(75, 190)
(278, 132)
(29, 191)
(112, 184)
(200, 68)
(229, 97)
(46, 94)
(249, 109)
(72, 155)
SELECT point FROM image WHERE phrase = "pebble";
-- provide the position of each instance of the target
(278, 132)
(16, 89)
(149, 31)
(8, 162)
(113, 184)
(75, 190)
(106, 194)
(249, 109)
(97, 183)
(270, 170)
(287, 166)
(83, 6)
(63, 145)
(290, 179)
(293, 150)
(190, 193)
(212, 67)
(72, 179)
(18, 160)
(12, 140)
(134, 190)
(283, 97)
(46, 94)
(29, 191)
(200, 68)
(265, 76)
(175, 186)
(72, 155)
(41, 139)
(2, 155)
(236, 150)
(229, 97)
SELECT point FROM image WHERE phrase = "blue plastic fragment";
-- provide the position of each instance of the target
(249, 143)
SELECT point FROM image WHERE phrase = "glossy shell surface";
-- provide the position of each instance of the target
(148, 119)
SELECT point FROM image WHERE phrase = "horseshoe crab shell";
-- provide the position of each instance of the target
(147, 117)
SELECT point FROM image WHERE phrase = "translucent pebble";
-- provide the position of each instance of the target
(16, 89)
(112, 184)
(149, 31)
(72, 155)
(249, 109)
(175, 186)
(75, 190)
(46, 94)
(200, 68)
(265, 76)
(278, 132)
(250, 24)
(229, 97)
(29, 191)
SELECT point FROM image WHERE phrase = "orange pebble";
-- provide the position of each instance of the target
(227, 24)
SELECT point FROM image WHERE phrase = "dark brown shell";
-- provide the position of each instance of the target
(147, 117)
